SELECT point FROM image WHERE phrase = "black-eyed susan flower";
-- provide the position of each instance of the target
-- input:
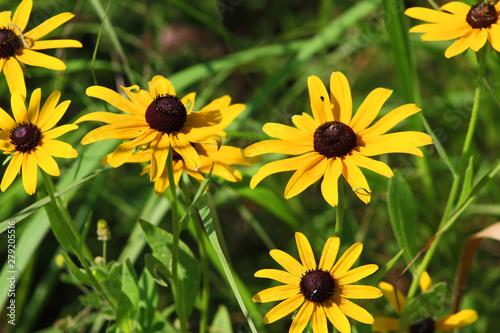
(471, 26)
(318, 291)
(17, 46)
(30, 138)
(428, 325)
(218, 161)
(156, 120)
(334, 143)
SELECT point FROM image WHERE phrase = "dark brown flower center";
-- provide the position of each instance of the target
(482, 15)
(9, 43)
(166, 114)
(334, 139)
(317, 285)
(424, 326)
(25, 137)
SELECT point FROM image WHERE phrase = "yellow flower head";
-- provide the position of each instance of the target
(17, 46)
(319, 291)
(212, 157)
(398, 302)
(470, 26)
(156, 120)
(334, 143)
(29, 138)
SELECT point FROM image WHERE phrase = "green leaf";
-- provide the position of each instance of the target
(149, 301)
(129, 284)
(77, 272)
(468, 183)
(158, 270)
(125, 314)
(403, 215)
(433, 303)
(381, 272)
(160, 242)
(222, 321)
(114, 281)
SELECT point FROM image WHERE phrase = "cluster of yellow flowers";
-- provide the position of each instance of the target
(332, 142)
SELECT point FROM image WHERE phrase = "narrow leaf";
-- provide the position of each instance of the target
(77, 272)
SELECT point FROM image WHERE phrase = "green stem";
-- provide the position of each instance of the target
(457, 180)
(339, 221)
(176, 232)
(74, 241)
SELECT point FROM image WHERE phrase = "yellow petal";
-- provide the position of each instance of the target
(126, 149)
(140, 97)
(182, 145)
(400, 142)
(30, 173)
(276, 293)
(355, 274)
(115, 99)
(459, 46)
(49, 105)
(288, 262)
(329, 254)
(122, 131)
(34, 58)
(347, 260)
(494, 36)
(306, 176)
(305, 123)
(6, 121)
(19, 108)
(279, 146)
(302, 318)
(48, 26)
(425, 282)
(329, 185)
(319, 319)
(278, 275)
(50, 120)
(341, 98)
(390, 120)
(353, 310)
(160, 86)
(287, 164)
(188, 101)
(58, 131)
(385, 324)
(5, 18)
(113, 118)
(429, 15)
(437, 32)
(356, 179)
(283, 309)
(59, 149)
(218, 104)
(12, 170)
(22, 14)
(369, 109)
(159, 152)
(457, 320)
(320, 100)
(305, 251)
(229, 114)
(358, 292)
(203, 118)
(336, 316)
(223, 170)
(479, 38)
(34, 106)
(455, 7)
(288, 133)
(55, 44)
(45, 161)
(398, 303)
(15, 76)
(229, 155)
(370, 164)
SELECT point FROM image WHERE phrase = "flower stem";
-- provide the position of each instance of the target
(459, 178)
(176, 232)
(73, 239)
(339, 221)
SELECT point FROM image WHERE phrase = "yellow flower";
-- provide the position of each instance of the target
(17, 46)
(470, 26)
(220, 159)
(447, 323)
(332, 142)
(29, 138)
(158, 119)
(319, 290)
